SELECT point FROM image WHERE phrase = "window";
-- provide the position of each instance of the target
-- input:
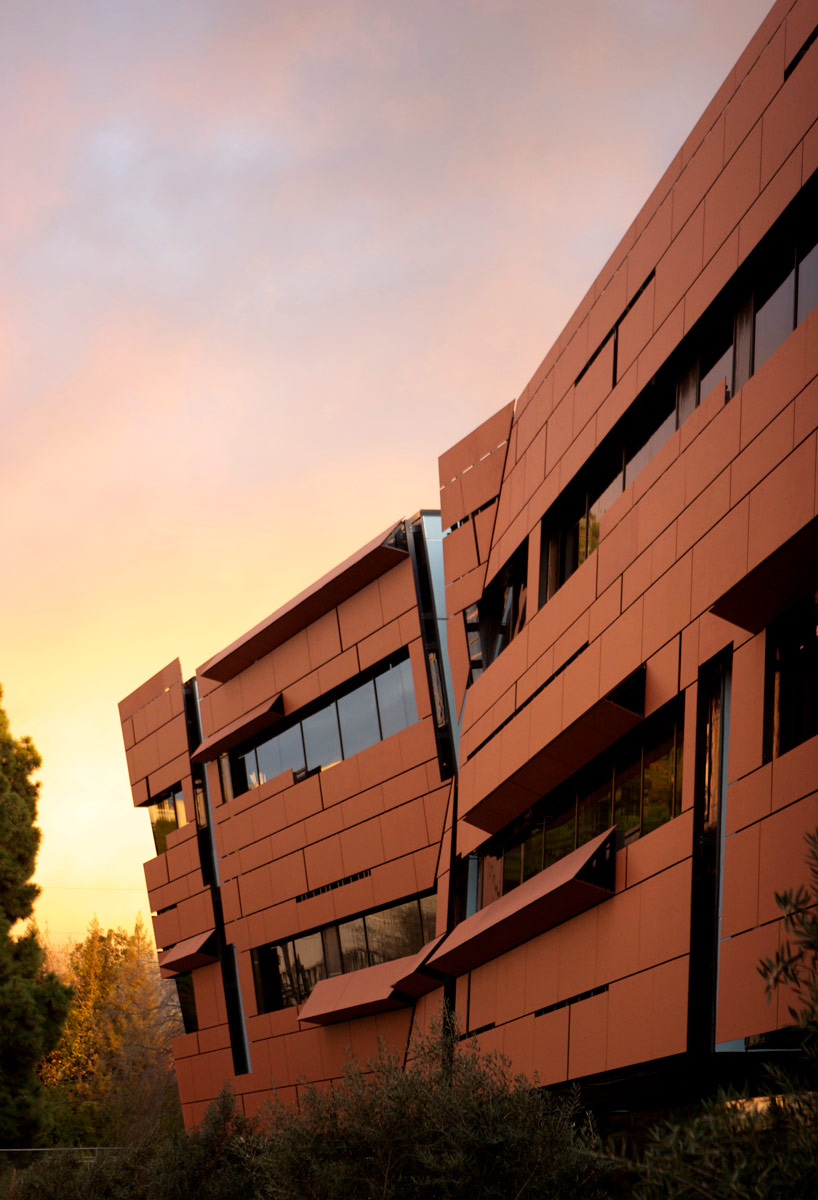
(167, 812)
(285, 973)
(759, 308)
(503, 605)
(187, 1001)
(361, 713)
(636, 785)
(791, 701)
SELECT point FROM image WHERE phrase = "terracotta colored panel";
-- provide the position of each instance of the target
(618, 401)
(740, 882)
(669, 1013)
(719, 558)
(669, 332)
(577, 954)
(588, 1035)
(764, 453)
(630, 1012)
(782, 503)
(781, 189)
(452, 509)
(403, 829)
(360, 615)
(680, 265)
(748, 799)
(742, 1007)
(664, 923)
(660, 849)
(481, 441)
(559, 431)
(790, 114)
(518, 1045)
(595, 385)
(659, 507)
(156, 872)
(482, 482)
(465, 591)
(636, 329)
(650, 247)
(757, 89)
(703, 513)
(550, 1059)
(617, 951)
(795, 773)
(483, 994)
(617, 550)
(620, 648)
(783, 852)
(698, 175)
(582, 684)
(775, 383)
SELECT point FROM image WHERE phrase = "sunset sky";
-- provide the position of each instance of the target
(261, 262)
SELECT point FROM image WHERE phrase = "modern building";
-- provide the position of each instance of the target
(556, 766)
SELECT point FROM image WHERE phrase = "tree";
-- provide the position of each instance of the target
(33, 1002)
(110, 1078)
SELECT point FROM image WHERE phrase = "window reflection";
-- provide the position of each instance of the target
(363, 713)
(807, 283)
(167, 812)
(285, 973)
(774, 320)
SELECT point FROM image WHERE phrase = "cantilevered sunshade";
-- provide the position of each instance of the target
(193, 952)
(257, 719)
(372, 561)
(777, 583)
(370, 990)
(576, 882)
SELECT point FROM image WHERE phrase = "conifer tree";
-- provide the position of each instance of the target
(33, 1002)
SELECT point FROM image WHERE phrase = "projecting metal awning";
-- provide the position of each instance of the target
(568, 887)
(193, 952)
(373, 560)
(259, 718)
(776, 584)
(371, 990)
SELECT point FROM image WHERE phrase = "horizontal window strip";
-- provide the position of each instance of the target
(549, 1008)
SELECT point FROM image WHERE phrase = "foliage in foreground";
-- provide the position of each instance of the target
(33, 1002)
(110, 1079)
(454, 1123)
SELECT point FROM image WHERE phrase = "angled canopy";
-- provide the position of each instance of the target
(193, 952)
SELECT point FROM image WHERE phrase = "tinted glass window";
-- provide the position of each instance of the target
(322, 742)
(512, 868)
(396, 698)
(332, 951)
(791, 711)
(287, 974)
(594, 812)
(309, 962)
(353, 944)
(268, 755)
(358, 714)
(658, 785)
(394, 932)
(652, 446)
(533, 848)
(807, 283)
(428, 917)
(774, 321)
(721, 369)
(559, 836)
(627, 796)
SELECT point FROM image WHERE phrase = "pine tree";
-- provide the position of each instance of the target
(33, 1002)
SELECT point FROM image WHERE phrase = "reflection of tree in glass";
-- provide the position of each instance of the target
(658, 786)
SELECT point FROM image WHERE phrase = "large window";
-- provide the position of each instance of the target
(286, 972)
(757, 311)
(791, 708)
(167, 812)
(636, 785)
(361, 713)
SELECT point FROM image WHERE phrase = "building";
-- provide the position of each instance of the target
(569, 814)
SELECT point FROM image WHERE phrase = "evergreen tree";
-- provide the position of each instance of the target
(33, 1002)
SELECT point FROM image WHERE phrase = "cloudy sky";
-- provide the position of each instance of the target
(261, 261)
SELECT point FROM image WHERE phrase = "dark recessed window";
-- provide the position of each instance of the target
(167, 812)
(637, 785)
(791, 701)
(357, 716)
(285, 973)
(502, 608)
(187, 1001)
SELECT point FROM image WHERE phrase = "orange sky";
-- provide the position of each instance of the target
(262, 261)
